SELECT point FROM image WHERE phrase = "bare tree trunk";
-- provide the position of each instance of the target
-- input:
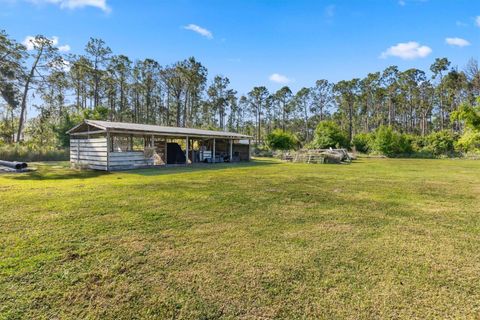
(179, 110)
(350, 122)
(122, 97)
(306, 122)
(167, 115)
(25, 95)
(390, 112)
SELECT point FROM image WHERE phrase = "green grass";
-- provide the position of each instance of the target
(380, 238)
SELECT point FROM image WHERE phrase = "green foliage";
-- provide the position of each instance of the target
(418, 143)
(69, 120)
(390, 143)
(281, 140)
(262, 151)
(66, 123)
(469, 114)
(362, 142)
(97, 113)
(329, 135)
(469, 141)
(17, 152)
(440, 143)
(6, 131)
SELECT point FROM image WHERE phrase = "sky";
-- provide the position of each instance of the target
(263, 42)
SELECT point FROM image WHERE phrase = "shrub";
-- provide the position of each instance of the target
(329, 135)
(469, 141)
(405, 143)
(391, 143)
(418, 144)
(470, 114)
(261, 151)
(362, 142)
(69, 120)
(281, 140)
(28, 153)
(440, 143)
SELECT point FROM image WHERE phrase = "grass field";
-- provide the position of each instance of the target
(375, 239)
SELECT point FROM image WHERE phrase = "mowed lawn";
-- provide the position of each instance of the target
(379, 238)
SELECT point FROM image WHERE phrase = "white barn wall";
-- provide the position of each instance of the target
(89, 153)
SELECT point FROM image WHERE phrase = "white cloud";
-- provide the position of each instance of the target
(29, 43)
(459, 42)
(77, 4)
(201, 31)
(61, 64)
(64, 48)
(279, 78)
(477, 21)
(407, 51)
(54, 41)
(66, 65)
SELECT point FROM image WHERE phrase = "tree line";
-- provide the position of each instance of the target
(63, 88)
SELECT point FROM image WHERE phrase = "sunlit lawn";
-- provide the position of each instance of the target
(375, 239)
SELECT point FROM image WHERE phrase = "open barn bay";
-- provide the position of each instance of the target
(375, 239)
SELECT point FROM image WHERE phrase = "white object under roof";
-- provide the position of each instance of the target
(154, 129)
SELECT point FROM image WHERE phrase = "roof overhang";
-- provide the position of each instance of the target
(139, 129)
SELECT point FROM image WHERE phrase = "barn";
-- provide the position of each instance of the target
(110, 146)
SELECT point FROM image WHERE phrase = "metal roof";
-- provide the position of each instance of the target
(154, 129)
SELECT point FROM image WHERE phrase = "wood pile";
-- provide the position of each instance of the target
(151, 153)
(320, 156)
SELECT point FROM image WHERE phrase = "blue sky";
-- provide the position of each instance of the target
(268, 43)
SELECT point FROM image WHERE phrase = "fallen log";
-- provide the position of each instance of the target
(14, 164)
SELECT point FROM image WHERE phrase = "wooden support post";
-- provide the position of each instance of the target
(77, 165)
(152, 142)
(108, 150)
(249, 150)
(186, 150)
(231, 150)
(165, 151)
(213, 152)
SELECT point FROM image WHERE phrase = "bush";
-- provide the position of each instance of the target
(390, 143)
(329, 135)
(261, 151)
(69, 120)
(362, 142)
(26, 153)
(469, 141)
(440, 143)
(418, 144)
(281, 140)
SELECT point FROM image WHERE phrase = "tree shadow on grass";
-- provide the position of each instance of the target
(202, 167)
(56, 174)
(49, 172)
